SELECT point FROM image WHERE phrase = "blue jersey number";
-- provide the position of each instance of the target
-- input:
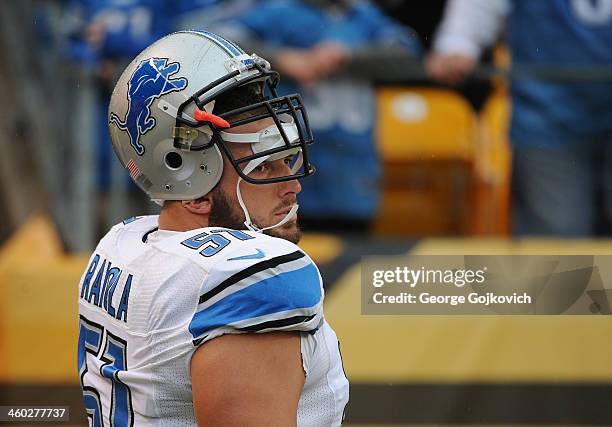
(115, 357)
(213, 243)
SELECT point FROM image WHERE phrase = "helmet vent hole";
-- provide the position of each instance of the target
(173, 160)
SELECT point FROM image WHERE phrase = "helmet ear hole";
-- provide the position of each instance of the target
(173, 160)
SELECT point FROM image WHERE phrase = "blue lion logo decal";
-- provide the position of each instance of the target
(150, 81)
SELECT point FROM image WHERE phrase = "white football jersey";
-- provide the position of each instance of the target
(149, 298)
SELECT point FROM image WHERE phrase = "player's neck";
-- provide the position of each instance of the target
(174, 217)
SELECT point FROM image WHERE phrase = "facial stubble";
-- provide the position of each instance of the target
(226, 213)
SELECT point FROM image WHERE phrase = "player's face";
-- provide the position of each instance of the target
(267, 204)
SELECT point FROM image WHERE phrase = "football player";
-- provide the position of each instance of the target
(208, 314)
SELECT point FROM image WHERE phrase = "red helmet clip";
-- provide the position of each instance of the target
(203, 116)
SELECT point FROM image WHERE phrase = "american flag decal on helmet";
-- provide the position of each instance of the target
(133, 169)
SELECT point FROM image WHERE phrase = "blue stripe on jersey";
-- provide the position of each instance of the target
(229, 46)
(286, 291)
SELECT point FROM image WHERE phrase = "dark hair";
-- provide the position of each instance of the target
(238, 97)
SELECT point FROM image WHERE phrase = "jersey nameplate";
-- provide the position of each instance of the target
(102, 281)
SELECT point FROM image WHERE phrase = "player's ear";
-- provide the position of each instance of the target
(199, 206)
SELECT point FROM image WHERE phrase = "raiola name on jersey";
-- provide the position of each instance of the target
(101, 290)
(149, 298)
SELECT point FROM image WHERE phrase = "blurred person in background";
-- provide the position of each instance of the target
(424, 18)
(208, 14)
(561, 131)
(116, 29)
(344, 194)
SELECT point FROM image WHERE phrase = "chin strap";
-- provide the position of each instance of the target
(249, 224)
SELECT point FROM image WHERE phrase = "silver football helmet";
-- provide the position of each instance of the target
(167, 133)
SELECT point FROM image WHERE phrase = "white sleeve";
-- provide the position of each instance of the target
(468, 26)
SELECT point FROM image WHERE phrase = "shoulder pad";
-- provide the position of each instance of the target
(261, 284)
